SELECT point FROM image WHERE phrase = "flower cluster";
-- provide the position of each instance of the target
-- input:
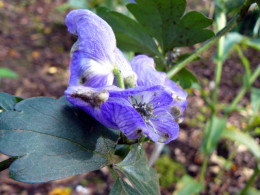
(129, 96)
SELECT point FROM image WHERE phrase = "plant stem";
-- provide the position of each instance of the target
(119, 77)
(231, 24)
(221, 22)
(204, 168)
(250, 181)
(156, 153)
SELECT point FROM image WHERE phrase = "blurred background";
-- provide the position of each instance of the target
(34, 61)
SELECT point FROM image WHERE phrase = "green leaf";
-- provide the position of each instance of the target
(122, 150)
(230, 40)
(135, 167)
(78, 4)
(185, 78)
(165, 21)
(233, 38)
(130, 35)
(244, 139)
(255, 99)
(7, 73)
(213, 131)
(7, 101)
(53, 140)
(254, 43)
(120, 187)
(187, 185)
(253, 191)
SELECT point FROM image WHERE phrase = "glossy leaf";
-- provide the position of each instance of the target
(187, 185)
(135, 167)
(130, 35)
(53, 140)
(213, 131)
(255, 99)
(244, 139)
(7, 101)
(7, 73)
(120, 187)
(165, 20)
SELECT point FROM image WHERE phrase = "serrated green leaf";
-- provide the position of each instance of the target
(120, 187)
(135, 167)
(130, 35)
(255, 99)
(165, 20)
(7, 101)
(185, 78)
(244, 139)
(53, 140)
(187, 186)
(213, 131)
(7, 73)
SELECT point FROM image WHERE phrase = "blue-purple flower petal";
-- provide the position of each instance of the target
(88, 72)
(90, 100)
(144, 67)
(96, 38)
(163, 128)
(125, 118)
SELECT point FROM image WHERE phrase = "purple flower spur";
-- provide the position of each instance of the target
(95, 55)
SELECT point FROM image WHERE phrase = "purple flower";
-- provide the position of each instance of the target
(154, 107)
(135, 111)
(95, 54)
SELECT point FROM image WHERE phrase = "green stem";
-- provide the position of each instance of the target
(221, 22)
(231, 24)
(250, 181)
(204, 168)
(119, 77)
(245, 63)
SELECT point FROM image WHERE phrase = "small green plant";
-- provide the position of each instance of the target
(7, 73)
(169, 171)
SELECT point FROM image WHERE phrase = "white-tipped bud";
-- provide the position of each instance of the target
(131, 80)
